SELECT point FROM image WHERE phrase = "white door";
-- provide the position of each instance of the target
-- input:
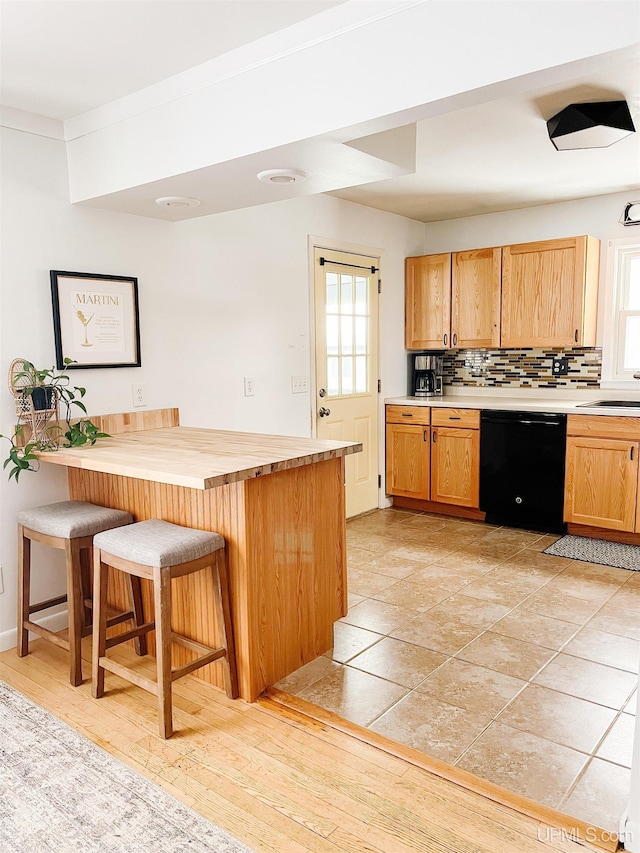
(346, 312)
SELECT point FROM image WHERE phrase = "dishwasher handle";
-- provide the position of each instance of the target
(513, 421)
(495, 416)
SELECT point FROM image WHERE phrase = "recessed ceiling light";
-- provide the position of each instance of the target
(282, 176)
(177, 201)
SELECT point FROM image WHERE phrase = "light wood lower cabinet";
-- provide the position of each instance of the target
(408, 465)
(407, 451)
(434, 462)
(601, 480)
(455, 466)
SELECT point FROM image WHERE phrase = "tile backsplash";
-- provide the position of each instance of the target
(522, 368)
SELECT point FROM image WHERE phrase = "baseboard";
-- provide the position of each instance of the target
(602, 533)
(55, 622)
(439, 508)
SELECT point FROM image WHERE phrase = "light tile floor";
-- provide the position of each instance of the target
(466, 642)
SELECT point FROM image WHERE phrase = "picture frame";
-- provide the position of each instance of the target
(95, 320)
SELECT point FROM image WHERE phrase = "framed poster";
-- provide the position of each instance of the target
(95, 320)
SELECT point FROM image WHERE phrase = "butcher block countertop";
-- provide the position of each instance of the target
(198, 458)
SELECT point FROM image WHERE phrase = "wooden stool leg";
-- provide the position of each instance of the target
(75, 607)
(135, 594)
(100, 583)
(86, 586)
(24, 591)
(162, 605)
(223, 615)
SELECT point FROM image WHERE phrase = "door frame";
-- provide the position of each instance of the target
(332, 245)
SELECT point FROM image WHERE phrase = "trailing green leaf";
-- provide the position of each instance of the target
(77, 434)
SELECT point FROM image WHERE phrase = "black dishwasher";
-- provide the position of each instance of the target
(522, 469)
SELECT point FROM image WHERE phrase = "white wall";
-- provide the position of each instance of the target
(221, 297)
(40, 231)
(244, 294)
(596, 216)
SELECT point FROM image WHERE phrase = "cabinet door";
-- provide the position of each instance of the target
(475, 298)
(408, 460)
(455, 466)
(601, 482)
(428, 302)
(549, 293)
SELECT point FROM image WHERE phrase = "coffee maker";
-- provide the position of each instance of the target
(427, 375)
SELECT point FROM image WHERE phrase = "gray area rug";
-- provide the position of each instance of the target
(60, 793)
(597, 551)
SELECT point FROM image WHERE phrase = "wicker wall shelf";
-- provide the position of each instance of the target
(38, 425)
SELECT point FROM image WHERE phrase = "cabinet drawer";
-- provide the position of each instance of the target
(469, 418)
(604, 426)
(408, 415)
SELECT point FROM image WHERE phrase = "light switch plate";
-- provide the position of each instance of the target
(299, 384)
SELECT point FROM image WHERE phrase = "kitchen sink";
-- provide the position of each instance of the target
(621, 404)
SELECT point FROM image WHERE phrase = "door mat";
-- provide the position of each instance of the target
(60, 793)
(601, 551)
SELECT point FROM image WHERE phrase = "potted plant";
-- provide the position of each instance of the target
(47, 389)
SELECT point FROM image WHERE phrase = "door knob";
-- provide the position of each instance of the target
(323, 412)
(322, 392)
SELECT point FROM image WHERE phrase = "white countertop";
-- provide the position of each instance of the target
(487, 400)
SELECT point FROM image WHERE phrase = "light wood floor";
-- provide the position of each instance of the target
(279, 782)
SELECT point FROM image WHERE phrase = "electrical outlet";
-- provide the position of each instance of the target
(249, 387)
(138, 394)
(560, 366)
(299, 384)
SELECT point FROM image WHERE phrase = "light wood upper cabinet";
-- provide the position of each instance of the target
(475, 298)
(428, 302)
(549, 293)
(527, 295)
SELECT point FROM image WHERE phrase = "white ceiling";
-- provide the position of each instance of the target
(62, 58)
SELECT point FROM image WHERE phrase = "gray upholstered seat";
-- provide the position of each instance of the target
(72, 519)
(158, 543)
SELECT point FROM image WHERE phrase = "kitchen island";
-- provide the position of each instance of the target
(279, 503)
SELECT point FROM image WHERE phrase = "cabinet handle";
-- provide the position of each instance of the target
(454, 418)
(407, 415)
(575, 337)
(454, 340)
(631, 453)
(444, 339)
(433, 435)
(424, 435)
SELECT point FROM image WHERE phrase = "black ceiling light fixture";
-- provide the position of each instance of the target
(631, 214)
(596, 125)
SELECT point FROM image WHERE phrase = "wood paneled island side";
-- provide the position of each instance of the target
(279, 503)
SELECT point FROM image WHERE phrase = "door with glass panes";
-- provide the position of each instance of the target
(346, 311)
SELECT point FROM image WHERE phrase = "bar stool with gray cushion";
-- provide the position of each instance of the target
(160, 551)
(68, 526)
